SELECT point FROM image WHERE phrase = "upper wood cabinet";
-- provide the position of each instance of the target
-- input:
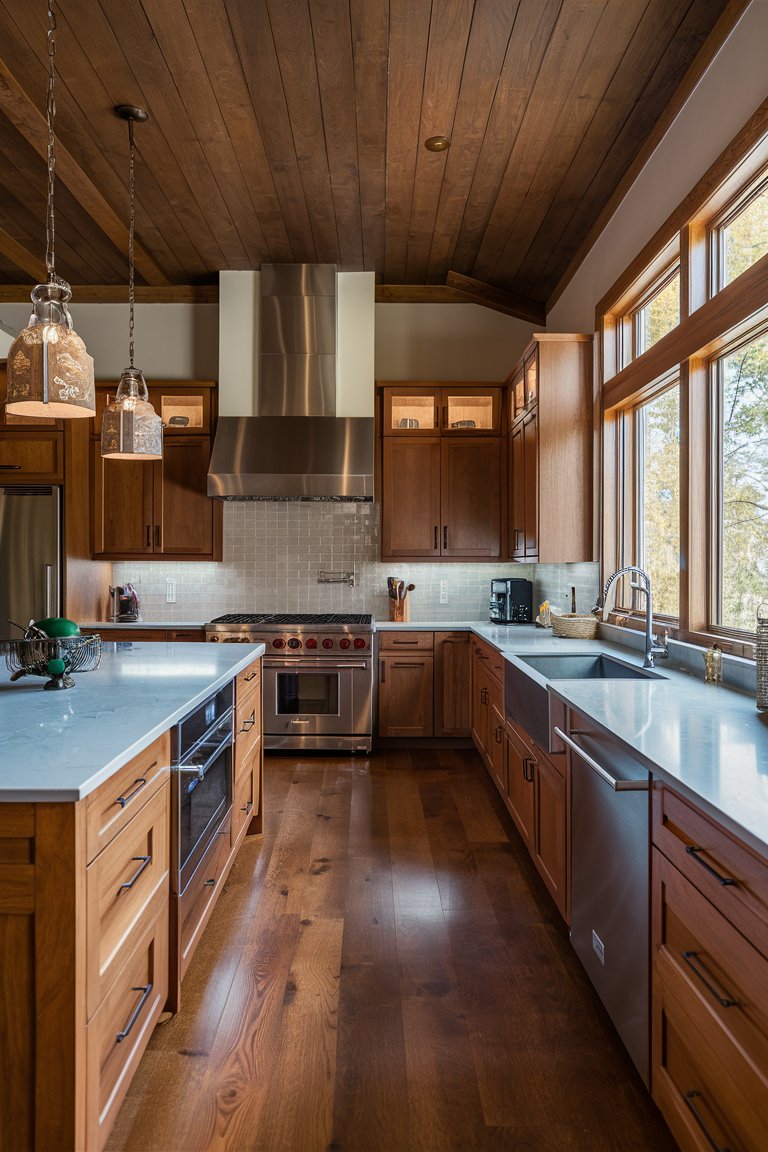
(452, 409)
(550, 451)
(159, 508)
(442, 472)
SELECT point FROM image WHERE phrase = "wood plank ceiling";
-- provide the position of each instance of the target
(293, 130)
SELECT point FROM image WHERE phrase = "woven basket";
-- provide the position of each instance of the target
(574, 626)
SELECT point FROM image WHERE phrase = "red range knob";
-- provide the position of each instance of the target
(311, 643)
(327, 643)
(359, 642)
(344, 642)
(278, 643)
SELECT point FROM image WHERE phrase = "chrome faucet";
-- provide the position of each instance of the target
(653, 648)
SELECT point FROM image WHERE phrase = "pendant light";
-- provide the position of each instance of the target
(131, 429)
(49, 370)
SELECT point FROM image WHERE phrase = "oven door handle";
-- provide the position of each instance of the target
(316, 666)
(200, 770)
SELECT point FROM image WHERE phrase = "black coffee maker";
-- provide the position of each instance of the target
(511, 601)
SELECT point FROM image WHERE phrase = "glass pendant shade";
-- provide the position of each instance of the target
(131, 429)
(49, 370)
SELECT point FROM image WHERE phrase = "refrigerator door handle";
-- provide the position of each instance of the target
(50, 610)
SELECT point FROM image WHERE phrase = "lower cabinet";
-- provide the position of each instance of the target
(148, 635)
(94, 941)
(452, 674)
(487, 702)
(709, 982)
(424, 684)
(536, 798)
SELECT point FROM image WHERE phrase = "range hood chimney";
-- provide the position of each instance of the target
(296, 448)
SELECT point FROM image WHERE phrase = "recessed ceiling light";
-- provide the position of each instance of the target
(437, 143)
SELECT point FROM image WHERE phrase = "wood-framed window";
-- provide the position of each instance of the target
(684, 401)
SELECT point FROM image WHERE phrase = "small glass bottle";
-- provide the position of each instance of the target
(713, 665)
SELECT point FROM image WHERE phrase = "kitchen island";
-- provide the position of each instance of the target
(90, 909)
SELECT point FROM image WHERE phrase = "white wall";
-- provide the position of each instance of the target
(173, 341)
(729, 92)
(446, 342)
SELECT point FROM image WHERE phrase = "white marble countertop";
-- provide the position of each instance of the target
(59, 746)
(707, 741)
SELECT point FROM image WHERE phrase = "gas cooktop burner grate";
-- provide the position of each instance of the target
(356, 619)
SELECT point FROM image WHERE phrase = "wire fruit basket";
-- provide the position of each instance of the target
(57, 658)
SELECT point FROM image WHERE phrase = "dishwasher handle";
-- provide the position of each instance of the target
(613, 781)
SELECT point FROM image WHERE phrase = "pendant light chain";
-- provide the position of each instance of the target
(50, 110)
(131, 226)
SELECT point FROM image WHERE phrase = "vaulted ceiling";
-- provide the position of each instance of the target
(293, 130)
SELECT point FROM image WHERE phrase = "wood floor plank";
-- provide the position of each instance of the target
(385, 972)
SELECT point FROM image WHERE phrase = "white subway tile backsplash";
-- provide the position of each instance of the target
(274, 552)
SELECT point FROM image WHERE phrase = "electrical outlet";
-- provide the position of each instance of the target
(170, 590)
(443, 591)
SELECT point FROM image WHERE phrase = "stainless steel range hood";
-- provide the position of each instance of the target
(292, 458)
(296, 448)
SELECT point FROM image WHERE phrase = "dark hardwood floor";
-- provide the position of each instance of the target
(384, 972)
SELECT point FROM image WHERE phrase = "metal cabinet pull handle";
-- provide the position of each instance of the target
(250, 676)
(146, 990)
(445, 535)
(148, 538)
(396, 643)
(139, 784)
(726, 881)
(483, 696)
(158, 536)
(248, 807)
(249, 723)
(689, 1099)
(499, 731)
(10, 467)
(435, 545)
(723, 1001)
(528, 766)
(382, 672)
(145, 860)
(209, 883)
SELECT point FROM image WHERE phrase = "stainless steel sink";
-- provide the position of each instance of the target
(526, 679)
(595, 666)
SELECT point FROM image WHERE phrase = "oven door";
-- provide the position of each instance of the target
(306, 697)
(203, 797)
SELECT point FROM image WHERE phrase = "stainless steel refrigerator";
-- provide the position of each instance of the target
(30, 555)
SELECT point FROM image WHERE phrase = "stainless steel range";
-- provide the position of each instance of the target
(318, 676)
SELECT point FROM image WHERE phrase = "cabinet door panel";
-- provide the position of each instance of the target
(520, 766)
(122, 505)
(405, 696)
(410, 497)
(549, 830)
(517, 497)
(531, 485)
(471, 497)
(452, 687)
(183, 509)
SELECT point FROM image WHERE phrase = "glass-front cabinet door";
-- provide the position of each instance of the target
(454, 409)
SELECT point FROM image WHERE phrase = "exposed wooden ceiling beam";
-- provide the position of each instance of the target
(118, 293)
(22, 258)
(465, 290)
(31, 123)
(498, 298)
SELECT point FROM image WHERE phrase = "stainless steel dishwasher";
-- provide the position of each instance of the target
(610, 882)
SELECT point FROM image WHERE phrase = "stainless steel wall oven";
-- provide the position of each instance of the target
(201, 762)
(318, 677)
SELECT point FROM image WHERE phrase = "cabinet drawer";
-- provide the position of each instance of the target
(729, 874)
(698, 1087)
(247, 728)
(118, 799)
(248, 682)
(406, 641)
(124, 884)
(118, 1034)
(186, 635)
(245, 804)
(489, 658)
(711, 965)
(200, 895)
